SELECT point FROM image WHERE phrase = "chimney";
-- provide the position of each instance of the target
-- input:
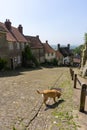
(47, 41)
(68, 46)
(20, 28)
(37, 36)
(58, 47)
(8, 24)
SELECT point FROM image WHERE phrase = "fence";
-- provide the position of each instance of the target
(83, 90)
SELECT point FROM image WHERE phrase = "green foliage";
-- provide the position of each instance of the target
(55, 62)
(27, 54)
(14, 128)
(29, 60)
(34, 60)
(85, 37)
(3, 63)
(78, 50)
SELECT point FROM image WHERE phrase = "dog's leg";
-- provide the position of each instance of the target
(54, 99)
(45, 99)
(58, 96)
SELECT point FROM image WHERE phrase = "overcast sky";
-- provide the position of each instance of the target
(58, 21)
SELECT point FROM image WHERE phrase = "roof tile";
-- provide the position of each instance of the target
(18, 36)
(13, 35)
(9, 36)
(34, 41)
(58, 54)
(48, 48)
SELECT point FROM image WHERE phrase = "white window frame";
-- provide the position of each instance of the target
(22, 45)
(27, 43)
(10, 44)
(18, 45)
(19, 59)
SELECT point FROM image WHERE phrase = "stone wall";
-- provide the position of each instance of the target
(84, 59)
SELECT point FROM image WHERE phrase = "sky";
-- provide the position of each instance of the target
(58, 21)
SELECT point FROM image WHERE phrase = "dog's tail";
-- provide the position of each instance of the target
(39, 92)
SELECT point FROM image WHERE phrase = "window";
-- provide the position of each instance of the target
(18, 45)
(19, 59)
(27, 43)
(22, 45)
(10, 44)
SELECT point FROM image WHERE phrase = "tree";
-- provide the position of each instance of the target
(85, 37)
(29, 60)
(3, 63)
(78, 50)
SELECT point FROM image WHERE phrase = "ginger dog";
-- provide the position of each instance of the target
(50, 93)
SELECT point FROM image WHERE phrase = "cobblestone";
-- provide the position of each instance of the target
(21, 107)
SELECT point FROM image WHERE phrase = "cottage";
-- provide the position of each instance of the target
(67, 54)
(50, 53)
(36, 48)
(59, 57)
(12, 42)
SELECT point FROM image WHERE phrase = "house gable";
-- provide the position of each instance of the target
(12, 43)
(58, 55)
(34, 42)
(9, 36)
(65, 51)
(18, 36)
(48, 48)
(50, 53)
(36, 47)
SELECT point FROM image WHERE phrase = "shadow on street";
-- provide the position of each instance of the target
(16, 72)
(54, 105)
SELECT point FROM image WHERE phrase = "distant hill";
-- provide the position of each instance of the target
(55, 47)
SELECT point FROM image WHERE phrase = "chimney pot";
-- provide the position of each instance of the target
(68, 46)
(37, 36)
(58, 46)
(46, 41)
(8, 24)
(20, 28)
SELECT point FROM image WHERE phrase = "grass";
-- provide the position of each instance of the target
(14, 128)
(63, 115)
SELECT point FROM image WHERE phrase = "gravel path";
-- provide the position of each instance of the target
(82, 117)
(21, 107)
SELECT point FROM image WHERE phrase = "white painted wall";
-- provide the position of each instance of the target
(66, 59)
(50, 56)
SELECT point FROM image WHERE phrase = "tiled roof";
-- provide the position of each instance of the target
(34, 41)
(48, 48)
(13, 35)
(65, 51)
(9, 36)
(18, 36)
(76, 60)
(58, 54)
(2, 29)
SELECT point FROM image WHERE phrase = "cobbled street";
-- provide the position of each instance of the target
(21, 106)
